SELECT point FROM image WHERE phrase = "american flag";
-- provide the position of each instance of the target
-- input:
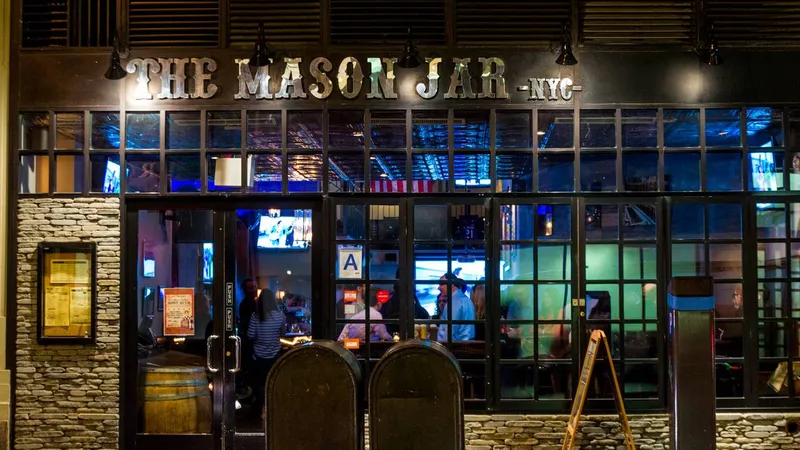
(417, 186)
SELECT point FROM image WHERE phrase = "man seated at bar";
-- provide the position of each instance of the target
(378, 331)
(462, 309)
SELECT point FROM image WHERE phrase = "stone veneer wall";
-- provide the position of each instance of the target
(67, 396)
(529, 432)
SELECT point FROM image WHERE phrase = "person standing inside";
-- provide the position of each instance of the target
(246, 309)
(358, 331)
(267, 325)
(462, 309)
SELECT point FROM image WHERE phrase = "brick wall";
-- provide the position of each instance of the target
(68, 395)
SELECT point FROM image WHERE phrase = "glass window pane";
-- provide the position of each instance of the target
(555, 262)
(224, 129)
(183, 173)
(682, 172)
(688, 260)
(725, 261)
(640, 301)
(69, 131)
(264, 129)
(555, 128)
(764, 127)
(639, 262)
(516, 262)
(513, 129)
(350, 222)
(771, 260)
(723, 128)
(728, 302)
(429, 173)
(346, 129)
(639, 221)
(794, 172)
(516, 222)
(602, 262)
(602, 304)
(35, 131)
(183, 130)
(105, 173)
(471, 170)
(794, 128)
(640, 171)
(598, 128)
(553, 301)
(387, 172)
(142, 131)
(599, 172)
(557, 172)
(385, 226)
(471, 129)
(266, 174)
(681, 128)
(725, 221)
(346, 172)
(514, 172)
(429, 129)
(765, 171)
(105, 130)
(143, 173)
(428, 220)
(601, 222)
(305, 173)
(688, 221)
(69, 173)
(771, 221)
(304, 129)
(553, 222)
(724, 171)
(388, 129)
(639, 128)
(224, 172)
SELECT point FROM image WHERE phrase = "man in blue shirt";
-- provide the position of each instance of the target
(462, 309)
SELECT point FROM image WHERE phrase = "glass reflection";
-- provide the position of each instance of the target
(266, 177)
(764, 127)
(183, 172)
(513, 129)
(681, 128)
(264, 130)
(429, 172)
(183, 130)
(304, 129)
(556, 172)
(105, 130)
(224, 172)
(765, 171)
(688, 260)
(598, 172)
(346, 172)
(723, 128)
(639, 128)
(387, 172)
(143, 173)
(429, 129)
(346, 129)
(305, 173)
(598, 128)
(142, 131)
(514, 172)
(471, 129)
(682, 172)
(69, 131)
(640, 171)
(688, 221)
(35, 133)
(555, 128)
(388, 129)
(224, 129)
(724, 171)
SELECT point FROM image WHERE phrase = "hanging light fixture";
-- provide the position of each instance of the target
(115, 70)
(565, 56)
(410, 58)
(261, 53)
(709, 53)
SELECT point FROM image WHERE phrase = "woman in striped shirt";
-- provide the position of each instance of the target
(267, 325)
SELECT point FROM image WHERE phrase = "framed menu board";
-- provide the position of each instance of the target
(67, 279)
(178, 311)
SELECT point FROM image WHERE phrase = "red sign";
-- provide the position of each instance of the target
(351, 344)
(383, 296)
(350, 296)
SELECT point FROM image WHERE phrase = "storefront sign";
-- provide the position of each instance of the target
(383, 296)
(350, 263)
(352, 344)
(178, 312)
(350, 296)
(349, 78)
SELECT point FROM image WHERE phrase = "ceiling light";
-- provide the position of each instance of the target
(288, 272)
(410, 58)
(709, 53)
(115, 70)
(540, 133)
(383, 175)
(565, 56)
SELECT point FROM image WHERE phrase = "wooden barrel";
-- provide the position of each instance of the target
(175, 400)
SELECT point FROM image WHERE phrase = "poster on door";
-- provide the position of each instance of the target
(178, 312)
(350, 259)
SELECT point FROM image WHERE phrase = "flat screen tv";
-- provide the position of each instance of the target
(764, 175)
(112, 178)
(284, 232)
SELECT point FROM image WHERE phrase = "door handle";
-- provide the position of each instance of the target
(238, 343)
(208, 353)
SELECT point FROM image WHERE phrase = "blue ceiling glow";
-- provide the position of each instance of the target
(142, 131)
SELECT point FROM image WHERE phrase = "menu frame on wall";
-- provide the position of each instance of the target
(66, 293)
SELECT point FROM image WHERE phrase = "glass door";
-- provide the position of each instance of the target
(271, 289)
(620, 294)
(173, 344)
(536, 274)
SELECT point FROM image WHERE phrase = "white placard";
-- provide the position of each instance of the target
(350, 262)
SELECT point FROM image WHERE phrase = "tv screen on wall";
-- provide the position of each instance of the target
(284, 232)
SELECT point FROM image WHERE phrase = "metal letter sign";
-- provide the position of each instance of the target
(350, 262)
(228, 294)
(228, 319)
(320, 77)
